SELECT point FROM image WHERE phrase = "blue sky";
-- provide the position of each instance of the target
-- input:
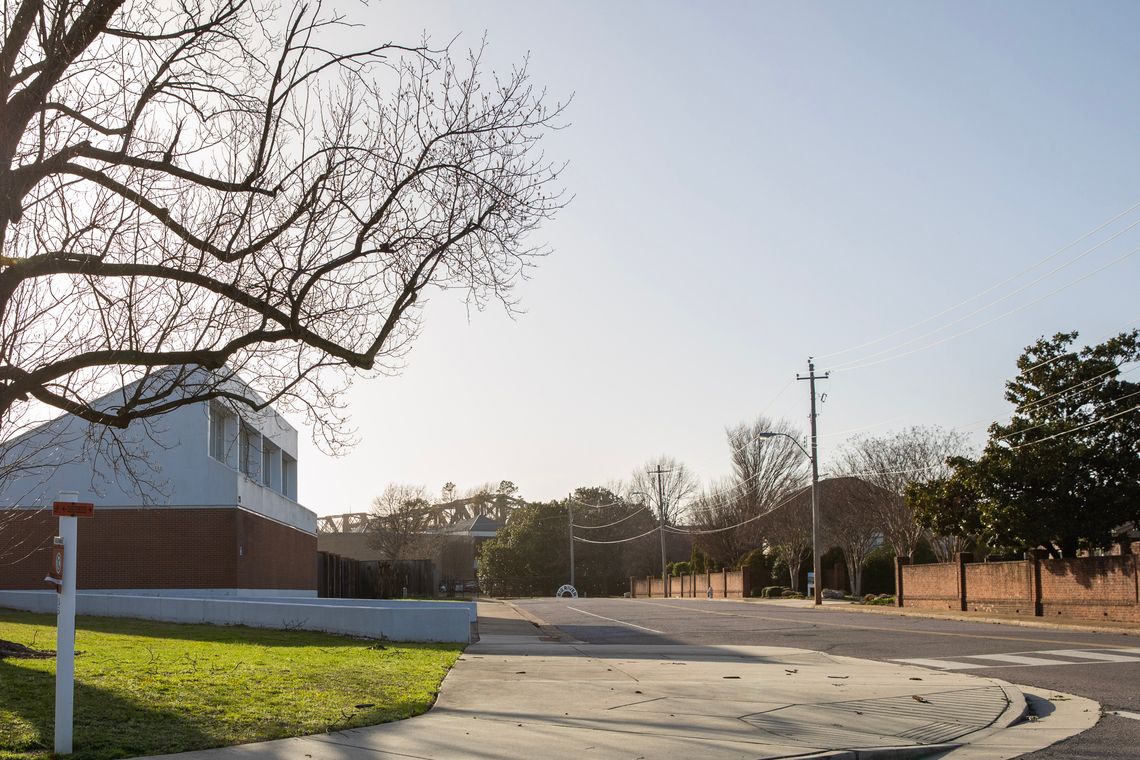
(756, 183)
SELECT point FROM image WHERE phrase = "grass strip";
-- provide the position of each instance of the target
(147, 688)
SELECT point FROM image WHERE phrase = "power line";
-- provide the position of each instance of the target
(765, 513)
(1072, 388)
(853, 366)
(992, 288)
(1065, 432)
(771, 403)
(619, 541)
(615, 522)
(618, 503)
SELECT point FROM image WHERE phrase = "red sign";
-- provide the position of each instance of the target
(55, 574)
(73, 509)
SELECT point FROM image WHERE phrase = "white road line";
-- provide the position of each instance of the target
(1100, 655)
(613, 620)
(1018, 659)
(1125, 714)
(1026, 659)
(941, 664)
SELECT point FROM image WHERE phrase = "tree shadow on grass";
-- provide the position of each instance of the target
(106, 725)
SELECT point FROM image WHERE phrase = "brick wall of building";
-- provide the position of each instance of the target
(275, 556)
(213, 548)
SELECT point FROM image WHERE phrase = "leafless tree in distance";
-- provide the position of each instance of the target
(893, 462)
(849, 517)
(678, 484)
(788, 530)
(716, 515)
(400, 524)
(767, 470)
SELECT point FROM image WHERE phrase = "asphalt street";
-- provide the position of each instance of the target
(1100, 666)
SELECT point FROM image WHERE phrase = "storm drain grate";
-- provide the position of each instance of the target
(936, 718)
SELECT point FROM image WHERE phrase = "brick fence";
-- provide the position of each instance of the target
(1088, 588)
(725, 584)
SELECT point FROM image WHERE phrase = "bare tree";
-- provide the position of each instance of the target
(716, 516)
(788, 530)
(945, 547)
(212, 189)
(849, 517)
(401, 524)
(768, 467)
(893, 462)
(677, 485)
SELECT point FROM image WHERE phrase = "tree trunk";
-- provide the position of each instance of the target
(794, 573)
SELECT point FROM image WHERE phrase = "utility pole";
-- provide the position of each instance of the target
(661, 527)
(570, 506)
(816, 569)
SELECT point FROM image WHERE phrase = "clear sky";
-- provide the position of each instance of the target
(756, 183)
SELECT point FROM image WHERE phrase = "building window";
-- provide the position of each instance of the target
(270, 478)
(219, 419)
(246, 462)
(288, 476)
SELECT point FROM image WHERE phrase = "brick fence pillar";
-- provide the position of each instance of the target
(900, 563)
(1034, 556)
(961, 558)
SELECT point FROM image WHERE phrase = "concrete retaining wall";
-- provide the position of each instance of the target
(397, 621)
(395, 604)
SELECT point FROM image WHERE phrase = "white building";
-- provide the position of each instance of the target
(216, 513)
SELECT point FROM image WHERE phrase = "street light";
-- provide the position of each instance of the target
(814, 510)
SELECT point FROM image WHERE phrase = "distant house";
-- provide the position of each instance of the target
(219, 515)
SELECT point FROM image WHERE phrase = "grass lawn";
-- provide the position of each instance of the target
(144, 688)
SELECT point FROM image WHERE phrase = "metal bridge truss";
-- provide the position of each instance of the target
(495, 507)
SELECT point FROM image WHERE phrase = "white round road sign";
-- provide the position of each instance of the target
(567, 590)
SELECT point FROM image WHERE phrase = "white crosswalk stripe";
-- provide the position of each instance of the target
(1026, 659)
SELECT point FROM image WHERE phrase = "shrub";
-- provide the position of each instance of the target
(881, 599)
(772, 592)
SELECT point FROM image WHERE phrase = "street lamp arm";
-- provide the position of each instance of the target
(789, 437)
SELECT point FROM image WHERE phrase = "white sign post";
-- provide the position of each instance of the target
(69, 509)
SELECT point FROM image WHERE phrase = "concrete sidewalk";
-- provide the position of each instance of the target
(521, 693)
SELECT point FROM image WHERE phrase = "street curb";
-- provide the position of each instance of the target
(546, 628)
(1028, 736)
(909, 752)
(1041, 624)
(1124, 629)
